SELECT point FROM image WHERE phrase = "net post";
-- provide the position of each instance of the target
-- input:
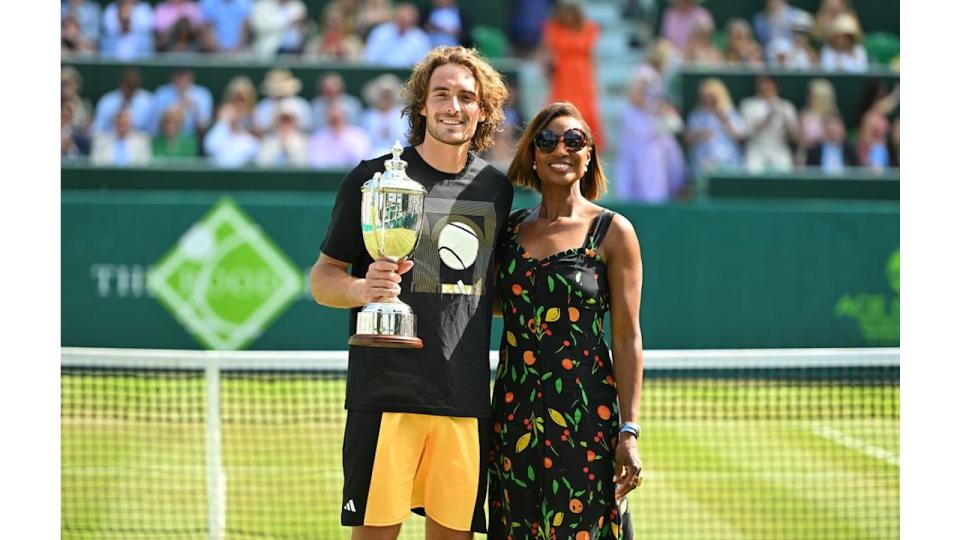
(216, 477)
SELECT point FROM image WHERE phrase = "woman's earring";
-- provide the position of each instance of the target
(534, 166)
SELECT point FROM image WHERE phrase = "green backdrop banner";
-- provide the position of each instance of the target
(200, 269)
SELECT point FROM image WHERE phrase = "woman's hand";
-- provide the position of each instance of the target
(628, 471)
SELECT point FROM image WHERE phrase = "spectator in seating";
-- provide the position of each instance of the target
(383, 121)
(844, 52)
(663, 60)
(72, 40)
(127, 31)
(170, 12)
(369, 15)
(183, 38)
(832, 154)
(129, 95)
(285, 144)
(87, 14)
(141, 17)
(501, 153)
(681, 20)
(195, 101)
(569, 40)
(229, 143)
(821, 103)
(279, 85)
(330, 91)
(872, 142)
(278, 27)
(875, 97)
(513, 118)
(227, 24)
(447, 24)
(650, 164)
(893, 143)
(774, 21)
(400, 43)
(525, 25)
(742, 49)
(122, 146)
(173, 141)
(81, 112)
(349, 11)
(714, 130)
(74, 143)
(826, 15)
(796, 52)
(242, 94)
(338, 143)
(771, 125)
(336, 41)
(700, 49)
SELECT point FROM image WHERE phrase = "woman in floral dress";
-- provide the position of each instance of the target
(564, 449)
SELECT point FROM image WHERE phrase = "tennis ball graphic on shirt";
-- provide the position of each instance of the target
(458, 245)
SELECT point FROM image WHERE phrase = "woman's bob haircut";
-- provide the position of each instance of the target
(594, 182)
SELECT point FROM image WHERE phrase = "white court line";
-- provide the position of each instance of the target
(856, 444)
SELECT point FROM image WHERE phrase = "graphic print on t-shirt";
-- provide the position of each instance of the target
(455, 247)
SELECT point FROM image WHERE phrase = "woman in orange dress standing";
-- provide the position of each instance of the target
(568, 42)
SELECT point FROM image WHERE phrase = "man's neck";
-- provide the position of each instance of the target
(444, 157)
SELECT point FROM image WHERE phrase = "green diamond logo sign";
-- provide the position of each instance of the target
(225, 280)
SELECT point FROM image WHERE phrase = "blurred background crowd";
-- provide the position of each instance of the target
(652, 148)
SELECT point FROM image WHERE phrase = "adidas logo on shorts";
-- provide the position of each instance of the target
(350, 507)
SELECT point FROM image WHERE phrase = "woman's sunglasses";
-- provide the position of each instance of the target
(573, 139)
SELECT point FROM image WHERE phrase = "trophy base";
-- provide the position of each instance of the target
(387, 324)
(389, 342)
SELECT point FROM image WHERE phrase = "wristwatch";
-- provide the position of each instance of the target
(630, 427)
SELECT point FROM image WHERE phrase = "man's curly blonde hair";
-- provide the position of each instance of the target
(491, 93)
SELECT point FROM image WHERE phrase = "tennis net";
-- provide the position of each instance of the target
(764, 444)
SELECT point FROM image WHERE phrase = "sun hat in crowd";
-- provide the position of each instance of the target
(846, 24)
(280, 83)
(801, 21)
(376, 87)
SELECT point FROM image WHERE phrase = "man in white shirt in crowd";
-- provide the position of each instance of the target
(124, 146)
(128, 94)
(196, 102)
(399, 43)
(228, 143)
(771, 123)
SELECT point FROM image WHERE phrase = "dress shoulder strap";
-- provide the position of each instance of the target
(517, 216)
(598, 229)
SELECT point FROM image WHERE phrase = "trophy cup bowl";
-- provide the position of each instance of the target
(391, 213)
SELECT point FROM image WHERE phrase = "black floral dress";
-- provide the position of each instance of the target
(555, 414)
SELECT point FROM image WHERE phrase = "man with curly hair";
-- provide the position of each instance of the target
(417, 427)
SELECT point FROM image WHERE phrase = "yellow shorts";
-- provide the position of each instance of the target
(395, 463)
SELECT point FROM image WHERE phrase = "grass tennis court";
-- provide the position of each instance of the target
(725, 458)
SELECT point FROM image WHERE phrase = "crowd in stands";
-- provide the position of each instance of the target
(764, 133)
(374, 31)
(273, 127)
(780, 36)
(659, 150)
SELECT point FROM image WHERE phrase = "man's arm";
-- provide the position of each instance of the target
(333, 286)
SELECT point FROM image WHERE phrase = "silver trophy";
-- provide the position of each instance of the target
(391, 215)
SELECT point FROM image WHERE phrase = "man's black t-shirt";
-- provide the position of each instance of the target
(450, 288)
